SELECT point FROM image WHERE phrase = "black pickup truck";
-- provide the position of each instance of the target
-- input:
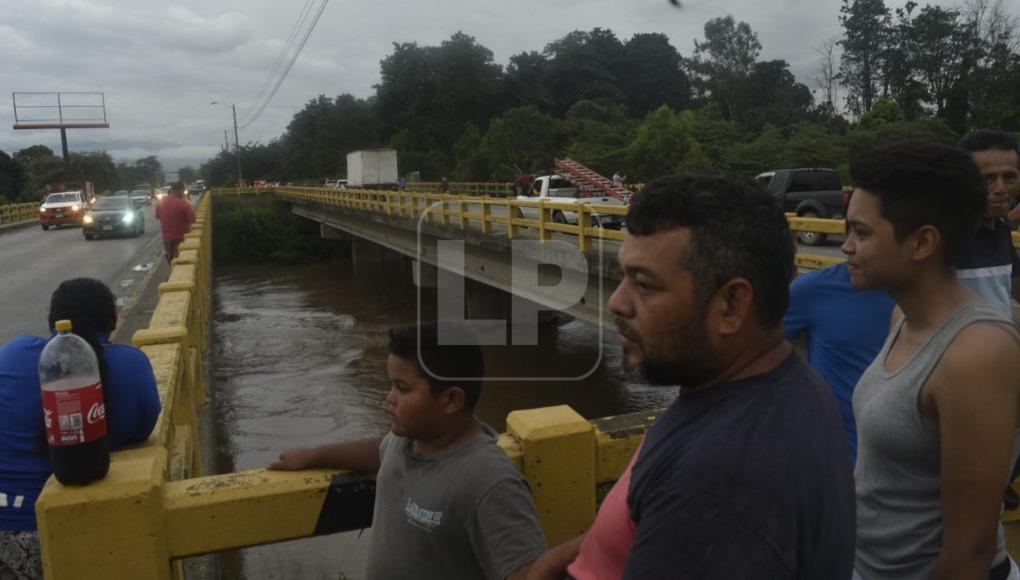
(814, 193)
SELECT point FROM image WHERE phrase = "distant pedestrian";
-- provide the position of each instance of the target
(444, 186)
(937, 409)
(175, 218)
(402, 183)
(619, 179)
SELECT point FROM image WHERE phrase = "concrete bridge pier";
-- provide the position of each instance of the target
(359, 249)
(451, 296)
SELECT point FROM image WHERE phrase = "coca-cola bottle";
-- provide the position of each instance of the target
(73, 408)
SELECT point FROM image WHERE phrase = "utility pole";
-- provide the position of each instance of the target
(226, 144)
(237, 144)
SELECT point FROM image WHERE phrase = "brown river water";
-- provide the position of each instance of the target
(298, 359)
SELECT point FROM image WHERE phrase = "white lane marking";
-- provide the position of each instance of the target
(126, 283)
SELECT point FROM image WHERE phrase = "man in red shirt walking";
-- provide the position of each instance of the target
(175, 217)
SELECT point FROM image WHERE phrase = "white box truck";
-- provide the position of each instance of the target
(372, 168)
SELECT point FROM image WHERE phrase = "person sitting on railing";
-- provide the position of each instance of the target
(132, 408)
(747, 474)
(449, 503)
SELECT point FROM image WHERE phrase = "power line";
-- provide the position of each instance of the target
(298, 25)
(290, 65)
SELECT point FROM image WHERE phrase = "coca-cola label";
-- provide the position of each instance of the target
(74, 416)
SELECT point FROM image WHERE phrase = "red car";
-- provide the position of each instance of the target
(61, 209)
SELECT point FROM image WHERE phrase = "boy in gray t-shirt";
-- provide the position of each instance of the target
(449, 502)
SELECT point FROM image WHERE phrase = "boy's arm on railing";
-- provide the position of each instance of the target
(358, 455)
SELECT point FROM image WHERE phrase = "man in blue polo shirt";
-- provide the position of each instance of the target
(845, 328)
(989, 266)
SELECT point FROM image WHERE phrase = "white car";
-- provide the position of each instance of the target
(62, 208)
(141, 196)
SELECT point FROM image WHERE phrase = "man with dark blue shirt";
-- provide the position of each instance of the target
(989, 265)
(748, 473)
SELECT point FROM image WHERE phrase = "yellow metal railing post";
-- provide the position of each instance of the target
(558, 458)
(486, 217)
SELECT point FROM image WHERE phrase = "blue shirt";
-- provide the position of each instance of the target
(132, 409)
(845, 328)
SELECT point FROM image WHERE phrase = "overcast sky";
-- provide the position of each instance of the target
(161, 62)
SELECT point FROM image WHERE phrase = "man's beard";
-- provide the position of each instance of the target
(693, 364)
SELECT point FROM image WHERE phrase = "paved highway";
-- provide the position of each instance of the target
(34, 262)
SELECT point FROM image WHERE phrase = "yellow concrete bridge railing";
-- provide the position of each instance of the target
(19, 212)
(485, 213)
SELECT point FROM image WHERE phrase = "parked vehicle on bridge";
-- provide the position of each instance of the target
(559, 189)
(807, 192)
(372, 168)
(59, 209)
(112, 216)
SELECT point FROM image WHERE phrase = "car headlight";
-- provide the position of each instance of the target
(75, 207)
(42, 210)
(88, 219)
(128, 218)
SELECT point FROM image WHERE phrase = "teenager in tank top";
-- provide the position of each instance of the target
(937, 410)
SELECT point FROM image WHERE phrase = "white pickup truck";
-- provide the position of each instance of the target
(558, 189)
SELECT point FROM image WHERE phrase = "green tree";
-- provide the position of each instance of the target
(187, 174)
(523, 137)
(882, 112)
(813, 145)
(765, 152)
(585, 65)
(723, 62)
(944, 55)
(471, 162)
(12, 178)
(770, 94)
(660, 146)
(865, 24)
(96, 167)
(599, 133)
(653, 75)
(714, 135)
(428, 95)
(524, 82)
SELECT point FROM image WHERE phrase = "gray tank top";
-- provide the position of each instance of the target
(899, 512)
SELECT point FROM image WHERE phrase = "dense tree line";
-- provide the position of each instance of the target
(639, 106)
(26, 175)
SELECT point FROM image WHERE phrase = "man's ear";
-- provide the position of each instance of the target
(924, 242)
(731, 306)
(453, 400)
